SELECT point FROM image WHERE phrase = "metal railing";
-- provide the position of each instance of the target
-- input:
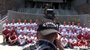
(2, 21)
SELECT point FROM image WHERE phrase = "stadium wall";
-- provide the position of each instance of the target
(83, 19)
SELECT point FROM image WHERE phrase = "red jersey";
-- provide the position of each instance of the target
(6, 32)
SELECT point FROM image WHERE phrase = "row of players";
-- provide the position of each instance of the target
(20, 30)
(26, 25)
(12, 38)
(65, 30)
(72, 42)
(19, 24)
(72, 30)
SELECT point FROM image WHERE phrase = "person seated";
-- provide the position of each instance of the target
(6, 24)
(29, 34)
(12, 24)
(34, 25)
(79, 25)
(22, 39)
(64, 23)
(74, 42)
(79, 36)
(29, 39)
(70, 41)
(29, 31)
(6, 33)
(21, 31)
(12, 39)
(82, 42)
(18, 31)
(73, 25)
(24, 24)
(74, 33)
(64, 41)
(64, 33)
(18, 24)
(13, 30)
(70, 33)
(69, 23)
(30, 24)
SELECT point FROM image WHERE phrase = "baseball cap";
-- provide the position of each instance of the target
(47, 28)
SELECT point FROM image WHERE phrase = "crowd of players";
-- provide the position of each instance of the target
(23, 33)
(74, 35)
(19, 33)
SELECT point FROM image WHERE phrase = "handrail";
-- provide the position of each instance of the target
(2, 22)
(3, 19)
